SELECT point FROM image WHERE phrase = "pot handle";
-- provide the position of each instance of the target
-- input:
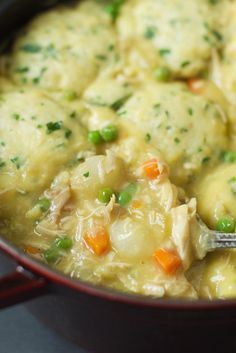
(20, 286)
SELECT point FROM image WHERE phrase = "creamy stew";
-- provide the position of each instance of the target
(117, 129)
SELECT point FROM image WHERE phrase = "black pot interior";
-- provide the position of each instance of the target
(14, 13)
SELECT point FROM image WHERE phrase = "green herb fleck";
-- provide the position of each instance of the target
(16, 161)
(217, 35)
(190, 111)
(2, 163)
(68, 133)
(229, 156)
(73, 114)
(101, 57)
(16, 116)
(150, 32)
(164, 51)
(22, 70)
(86, 175)
(31, 48)
(113, 9)
(148, 137)
(53, 126)
(205, 160)
(120, 102)
(185, 63)
(177, 140)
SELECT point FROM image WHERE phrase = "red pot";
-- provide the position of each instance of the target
(99, 319)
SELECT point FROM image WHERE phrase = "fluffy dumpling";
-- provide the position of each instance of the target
(37, 138)
(178, 122)
(181, 33)
(216, 193)
(64, 48)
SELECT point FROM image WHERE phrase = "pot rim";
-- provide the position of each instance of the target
(58, 278)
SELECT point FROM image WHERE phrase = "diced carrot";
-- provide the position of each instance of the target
(136, 204)
(151, 168)
(169, 260)
(196, 85)
(98, 242)
(31, 250)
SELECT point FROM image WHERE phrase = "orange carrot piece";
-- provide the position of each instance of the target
(196, 85)
(169, 260)
(151, 168)
(31, 250)
(98, 242)
(136, 204)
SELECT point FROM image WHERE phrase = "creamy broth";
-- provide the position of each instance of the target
(117, 127)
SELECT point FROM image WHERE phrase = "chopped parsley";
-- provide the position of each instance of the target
(73, 114)
(22, 70)
(190, 111)
(119, 102)
(164, 51)
(205, 160)
(148, 137)
(31, 48)
(36, 80)
(183, 129)
(217, 35)
(157, 106)
(68, 133)
(53, 126)
(229, 156)
(2, 163)
(177, 140)
(16, 161)
(101, 57)
(113, 8)
(86, 175)
(185, 63)
(150, 32)
(16, 116)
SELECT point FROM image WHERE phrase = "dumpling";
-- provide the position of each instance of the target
(64, 49)
(181, 33)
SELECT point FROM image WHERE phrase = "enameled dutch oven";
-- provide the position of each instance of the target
(99, 319)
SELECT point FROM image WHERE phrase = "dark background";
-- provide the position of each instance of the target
(20, 332)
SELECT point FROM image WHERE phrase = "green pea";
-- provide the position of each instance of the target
(95, 137)
(51, 255)
(229, 156)
(44, 204)
(124, 197)
(63, 243)
(162, 74)
(226, 224)
(109, 133)
(104, 195)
